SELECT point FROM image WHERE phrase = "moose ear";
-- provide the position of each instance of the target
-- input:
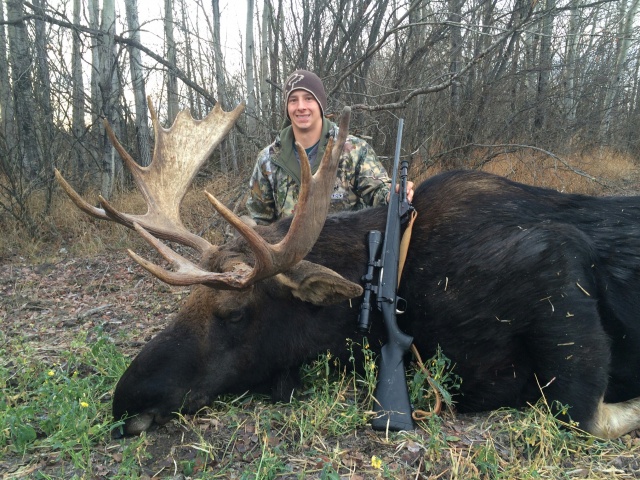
(316, 284)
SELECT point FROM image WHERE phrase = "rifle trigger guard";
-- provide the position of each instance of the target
(401, 305)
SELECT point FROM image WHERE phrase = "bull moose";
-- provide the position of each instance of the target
(524, 288)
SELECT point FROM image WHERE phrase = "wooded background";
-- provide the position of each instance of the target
(471, 78)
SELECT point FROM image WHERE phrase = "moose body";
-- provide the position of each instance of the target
(522, 287)
(525, 289)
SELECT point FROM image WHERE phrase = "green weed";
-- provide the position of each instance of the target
(61, 407)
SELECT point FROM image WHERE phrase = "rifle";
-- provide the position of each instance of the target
(392, 406)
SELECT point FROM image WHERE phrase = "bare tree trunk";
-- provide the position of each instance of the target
(109, 93)
(44, 114)
(455, 61)
(266, 41)
(7, 120)
(172, 81)
(277, 34)
(614, 83)
(544, 68)
(96, 57)
(188, 51)
(373, 36)
(248, 61)
(77, 98)
(21, 76)
(570, 94)
(143, 134)
(227, 147)
(455, 49)
(43, 76)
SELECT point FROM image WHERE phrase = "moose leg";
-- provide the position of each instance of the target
(615, 419)
(572, 359)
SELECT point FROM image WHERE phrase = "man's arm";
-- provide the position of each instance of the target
(372, 182)
(261, 201)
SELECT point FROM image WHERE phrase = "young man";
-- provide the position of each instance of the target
(361, 180)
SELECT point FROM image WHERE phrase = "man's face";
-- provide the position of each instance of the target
(304, 111)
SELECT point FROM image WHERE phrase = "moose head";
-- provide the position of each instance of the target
(220, 340)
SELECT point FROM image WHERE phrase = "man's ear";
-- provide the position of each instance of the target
(316, 284)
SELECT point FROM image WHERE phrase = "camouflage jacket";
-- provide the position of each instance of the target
(361, 180)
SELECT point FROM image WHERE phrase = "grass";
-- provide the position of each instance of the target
(55, 423)
(598, 172)
(60, 407)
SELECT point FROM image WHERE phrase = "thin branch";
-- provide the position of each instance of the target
(121, 40)
(447, 83)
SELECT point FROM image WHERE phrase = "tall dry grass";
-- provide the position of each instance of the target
(67, 230)
(600, 172)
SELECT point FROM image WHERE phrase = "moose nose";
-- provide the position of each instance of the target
(134, 425)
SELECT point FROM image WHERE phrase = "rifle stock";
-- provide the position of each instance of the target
(392, 405)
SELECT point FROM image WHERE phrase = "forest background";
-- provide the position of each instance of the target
(475, 80)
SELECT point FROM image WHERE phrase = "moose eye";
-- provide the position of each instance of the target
(232, 316)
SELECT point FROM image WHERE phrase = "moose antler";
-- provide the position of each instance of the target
(179, 153)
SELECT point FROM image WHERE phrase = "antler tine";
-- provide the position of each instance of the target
(179, 153)
(86, 207)
(185, 272)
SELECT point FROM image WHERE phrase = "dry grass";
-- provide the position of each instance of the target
(66, 227)
(602, 172)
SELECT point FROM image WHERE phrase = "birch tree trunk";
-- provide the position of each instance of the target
(266, 41)
(570, 94)
(544, 68)
(248, 59)
(227, 147)
(96, 58)
(276, 106)
(21, 77)
(188, 54)
(43, 92)
(143, 134)
(7, 120)
(172, 81)
(109, 92)
(77, 99)
(455, 48)
(44, 112)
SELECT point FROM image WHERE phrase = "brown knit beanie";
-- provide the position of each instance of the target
(305, 80)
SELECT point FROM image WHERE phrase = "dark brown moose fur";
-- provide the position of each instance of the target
(520, 286)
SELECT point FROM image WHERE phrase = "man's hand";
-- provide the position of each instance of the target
(409, 191)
